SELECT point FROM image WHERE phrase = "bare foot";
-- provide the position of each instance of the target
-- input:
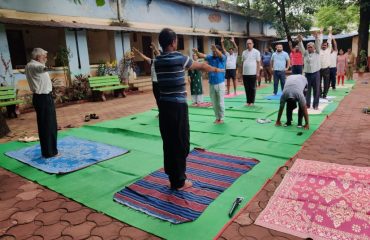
(219, 121)
(187, 184)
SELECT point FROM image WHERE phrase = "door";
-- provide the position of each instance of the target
(147, 40)
(16, 48)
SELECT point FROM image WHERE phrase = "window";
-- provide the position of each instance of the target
(200, 44)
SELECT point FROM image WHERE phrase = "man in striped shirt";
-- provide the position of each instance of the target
(170, 67)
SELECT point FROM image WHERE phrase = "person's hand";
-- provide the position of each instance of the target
(195, 50)
(330, 29)
(314, 34)
(134, 49)
(222, 38)
(290, 43)
(321, 30)
(278, 123)
(213, 47)
(232, 39)
(306, 126)
(217, 70)
(299, 38)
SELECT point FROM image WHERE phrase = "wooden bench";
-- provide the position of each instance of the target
(106, 83)
(8, 99)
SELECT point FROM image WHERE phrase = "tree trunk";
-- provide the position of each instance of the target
(284, 21)
(363, 28)
(4, 129)
(248, 17)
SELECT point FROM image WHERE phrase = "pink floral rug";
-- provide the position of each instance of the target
(321, 201)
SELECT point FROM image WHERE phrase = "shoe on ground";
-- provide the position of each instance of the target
(299, 126)
(287, 124)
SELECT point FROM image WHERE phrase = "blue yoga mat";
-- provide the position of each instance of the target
(75, 153)
(274, 97)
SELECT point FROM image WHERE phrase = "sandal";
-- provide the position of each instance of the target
(87, 118)
(94, 116)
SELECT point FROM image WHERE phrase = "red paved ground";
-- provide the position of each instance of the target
(29, 211)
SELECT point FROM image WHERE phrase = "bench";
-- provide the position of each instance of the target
(106, 83)
(8, 99)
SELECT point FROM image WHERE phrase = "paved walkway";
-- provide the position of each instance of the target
(29, 211)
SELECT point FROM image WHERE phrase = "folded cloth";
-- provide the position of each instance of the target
(263, 120)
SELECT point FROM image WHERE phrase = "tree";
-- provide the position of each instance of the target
(341, 19)
(363, 28)
(286, 16)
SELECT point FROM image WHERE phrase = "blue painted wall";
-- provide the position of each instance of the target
(88, 8)
(238, 23)
(6, 70)
(118, 45)
(84, 54)
(201, 19)
(158, 12)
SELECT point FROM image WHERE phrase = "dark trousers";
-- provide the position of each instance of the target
(333, 77)
(174, 127)
(313, 84)
(291, 104)
(46, 123)
(249, 82)
(267, 73)
(156, 92)
(325, 81)
(279, 75)
(297, 69)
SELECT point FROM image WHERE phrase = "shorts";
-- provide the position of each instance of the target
(230, 73)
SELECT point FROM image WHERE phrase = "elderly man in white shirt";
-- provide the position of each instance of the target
(251, 70)
(325, 57)
(40, 84)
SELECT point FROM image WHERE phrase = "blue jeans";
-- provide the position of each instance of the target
(297, 69)
(279, 75)
(313, 84)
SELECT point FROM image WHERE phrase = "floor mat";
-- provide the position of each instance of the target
(241, 135)
(321, 200)
(74, 154)
(211, 173)
(231, 95)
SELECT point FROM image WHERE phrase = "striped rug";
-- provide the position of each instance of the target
(211, 173)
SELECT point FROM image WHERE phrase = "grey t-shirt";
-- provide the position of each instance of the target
(294, 88)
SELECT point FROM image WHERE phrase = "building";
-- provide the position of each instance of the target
(96, 34)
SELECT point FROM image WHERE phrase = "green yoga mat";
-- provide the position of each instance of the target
(240, 135)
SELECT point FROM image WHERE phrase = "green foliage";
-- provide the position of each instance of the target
(99, 3)
(341, 19)
(297, 17)
(362, 63)
(80, 88)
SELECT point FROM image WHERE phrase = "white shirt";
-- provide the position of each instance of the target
(250, 59)
(231, 60)
(333, 59)
(325, 59)
(38, 79)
